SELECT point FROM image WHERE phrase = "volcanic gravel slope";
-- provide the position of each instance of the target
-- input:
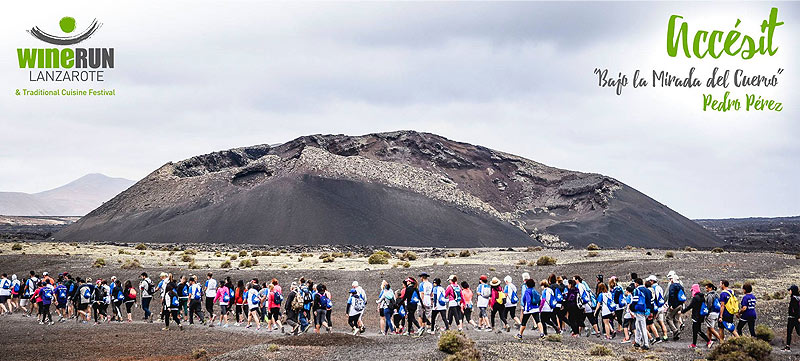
(401, 188)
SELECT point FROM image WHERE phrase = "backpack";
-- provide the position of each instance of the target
(501, 297)
(558, 295)
(226, 296)
(715, 305)
(359, 304)
(414, 297)
(536, 298)
(659, 300)
(6, 284)
(174, 301)
(681, 295)
(612, 306)
(151, 288)
(512, 297)
(484, 290)
(86, 295)
(325, 302)
(732, 306)
(617, 294)
(641, 302)
(131, 293)
(277, 298)
(552, 301)
(120, 295)
(457, 291)
(440, 298)
(62, 292)
(47, 294)
(16, 287)
(254, 298)
(703, 309)
(297, 301)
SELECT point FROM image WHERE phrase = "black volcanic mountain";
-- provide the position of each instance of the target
(401, 188)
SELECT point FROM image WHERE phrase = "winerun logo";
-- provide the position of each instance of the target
(67, 58)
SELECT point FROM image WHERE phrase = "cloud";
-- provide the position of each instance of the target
(511, 76)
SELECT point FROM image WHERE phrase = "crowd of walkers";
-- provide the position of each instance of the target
(644, 312)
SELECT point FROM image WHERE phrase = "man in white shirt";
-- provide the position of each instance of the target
(426, 296)
(211, 293)
(484, 292)
(145, 288)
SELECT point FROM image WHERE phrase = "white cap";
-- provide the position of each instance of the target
(355, 283)
(526, 276)
(671, 274)
(451, 277)
(507, 279)
(44, 273)
(652, 278)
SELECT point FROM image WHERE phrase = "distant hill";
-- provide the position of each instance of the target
(757, 233)
(75, 198)
(401, 188)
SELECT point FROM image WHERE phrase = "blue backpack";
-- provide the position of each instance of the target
(457, 292)
(440, 298)
(535, 297)
(174, 301)
(87, 293)
(325, 301)
(641, 302)
(16, 287)
(612, 306)
(553, 301)
(513, 298)
(617, 294)
(703, 309)
(277, 297)
(558, 295)
(62, 292)
(415, 297)
(254, 298)
(47, 294)
(681, 295)
(226, 296)
(659, 301)
(716, 306)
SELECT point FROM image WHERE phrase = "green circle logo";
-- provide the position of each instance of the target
(67, 24)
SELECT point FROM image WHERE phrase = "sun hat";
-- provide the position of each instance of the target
(411, 280)
(495, 281)
(355, 283)
(671, 274)
(507, 279)
(526, 276)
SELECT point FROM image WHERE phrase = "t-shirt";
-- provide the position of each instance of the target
(587, 307)
(195, 292)
(484, 293)
(252, 298)
(5, 287)
(426, 290)
(627, 314)
(439, 294)
(749, 301)
(509, 290)
(724, 296)
(352, 301)
(211, 287)
(466, 297)
(143, 286)
(604, 298)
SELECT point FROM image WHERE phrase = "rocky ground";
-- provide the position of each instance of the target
(22, 338)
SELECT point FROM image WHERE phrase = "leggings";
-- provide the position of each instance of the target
(512, 311)
(195, 308)
(792, 325)
(433, 319)
(239, 309)
(751, 325)
(498, 308)
(618, 314)
(412, 318)
(117, 310)
(128, 306)
(99, 309)
(352, 321)
(467, 314)
(696, 331)
(45, 311)
(328, 318)
(454, 314)
(549, 318)
(174, 313)
(575, 319)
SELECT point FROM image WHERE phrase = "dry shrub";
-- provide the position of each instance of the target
(140, 247)
(99, 263)
(377, 258)
(408, 256)
(717, 250)
(741, 349)
(689, 249)
(225, 264)
(242, 253)
(593, 254)
(200, 354)
(669, 254)
(465, 253)
(592, 247)
(546, 261)
(131, 264)
(534, 249)
(600, 350)
(763, 332)
(190, 252)
(553, 337)
(245, 263)
(186, 258)
(328, 259)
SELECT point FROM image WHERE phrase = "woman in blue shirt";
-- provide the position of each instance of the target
(747, 311)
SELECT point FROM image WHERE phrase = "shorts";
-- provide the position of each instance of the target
(3, 299)
(427, 311)
(726, 317)
(223, 309)
(651, 318)
(661, 316)
(61, 305)
(83, 306)
(482, 312)
(712, 319)
(275, 312)
(627, 322)
(319, 317)
(24, 301)
(592, 318)
(609, 317)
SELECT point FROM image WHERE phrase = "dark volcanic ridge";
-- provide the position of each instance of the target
(757, 233)
(400, 188)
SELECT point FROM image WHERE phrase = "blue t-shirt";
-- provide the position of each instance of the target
(724, 296)
(749, 301)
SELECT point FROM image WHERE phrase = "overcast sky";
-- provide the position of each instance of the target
(195, 77)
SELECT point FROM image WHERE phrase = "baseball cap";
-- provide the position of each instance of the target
(792, 288)
(652, 278)
(423, 274)
(484, 278)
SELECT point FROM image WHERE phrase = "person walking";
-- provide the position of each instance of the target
(195, 301)
(411, 298)
(426, 300)
(574, 308)
(531, 303)
(547, 308)
(440, 303)
(712, 303)
(730, 306)
(146, 289)
(676, 296)
(747, 311)
(640, 303)
(453, 295)
(698, 307)
(793, 323)
(484, 292)
(130, 299)
(497, 303)
(466, 303)
(173, 306)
